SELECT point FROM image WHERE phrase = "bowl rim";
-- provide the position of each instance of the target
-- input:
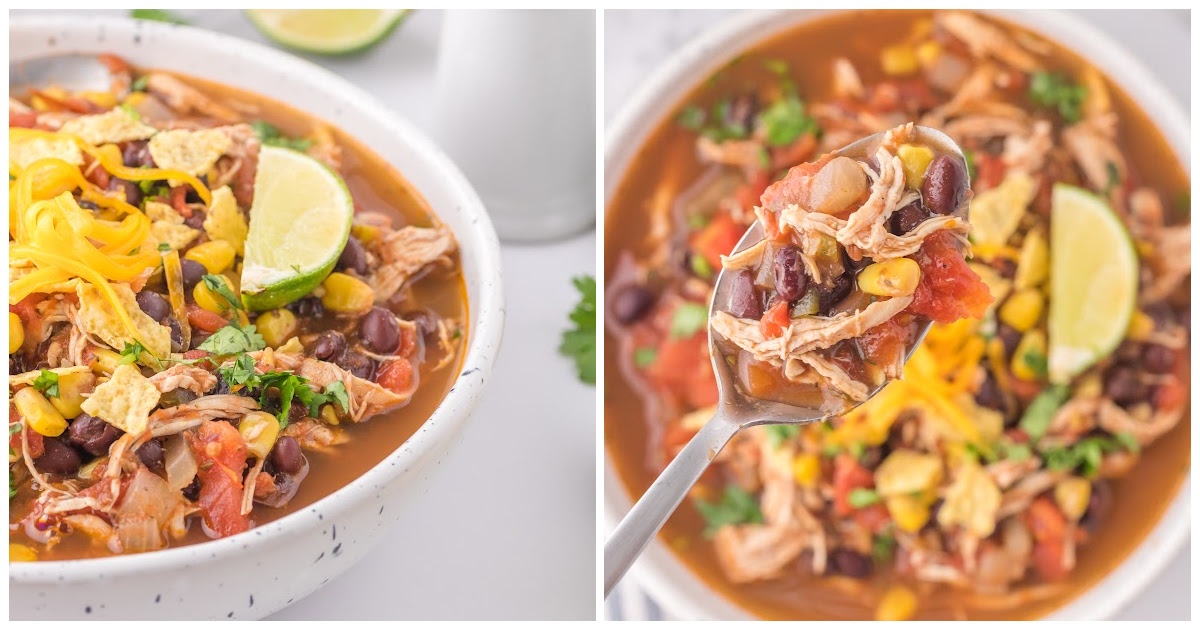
(485, 313)
(660, 573)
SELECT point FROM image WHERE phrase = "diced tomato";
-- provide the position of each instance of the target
(408, 341)
(1045, 521)
(25, 120)
(848, 475)
(882, 344)
(33, 438)
(749, 192)
(1170, 395)
(775, 320)
(873, 518)
(949, 290)
(396, 375)
(221, 453)
(716, 239)
(1048, 560)
(26, 309)
(1024, 390)
(683, 368)
(990, 170)
(179, 200)
(205, 320)
(795, 153)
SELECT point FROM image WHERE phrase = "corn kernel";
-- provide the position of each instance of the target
(216, 256)
(346, 294)
(106, 100)
(894, 278)
(1072, 495)
(364, 233)
(909, 513)
(1089, 386)
(1029, 359)
(915, 160)
(38, 413)
(21, 553)
(898, 60)
(1096, 102)
(71, 390)
(897, 604)
(105, 363)
(135, 98)
(16, 332)
(259, 429)
(806, 468)
(276, 326)
(329, 415)
(1140, 326)
(1033, 264)
(928, 53)
(1023, 309)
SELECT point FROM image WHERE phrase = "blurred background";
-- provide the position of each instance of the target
(509, 532)
(636, 43)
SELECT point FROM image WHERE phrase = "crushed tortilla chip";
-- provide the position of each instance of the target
(97, 319)
(225, 222)
(27, 378)
(167, 226)
(26, 151)
(971, 501)
(116, 125)
(193, 152)
(125, 400)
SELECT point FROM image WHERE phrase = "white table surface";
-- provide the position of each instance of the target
(635, 43)
(508, 531)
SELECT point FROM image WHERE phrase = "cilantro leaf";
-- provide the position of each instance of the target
(691, 117)
(785, 121)
(336, 392)
(233, 339)
(862, 497)
(217, 284)
(131, 352)
(644, 357)
(689, 318)
(735, 508)
(240, 373)
(579, 343)
(1055, 91)
(1038, 414)
(139, 84)
(270, 135)
(883, 545)
(1127, 440)
(47, 383)
(156, 15)
(777, 434)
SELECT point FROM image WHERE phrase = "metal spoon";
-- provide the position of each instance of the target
(73, 72)
(735, 410)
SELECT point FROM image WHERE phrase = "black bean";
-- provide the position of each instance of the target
(831, 294)
(631, 303)
(379, 331)
(286, 455)
(871, 457)
(1006, 266)
(907, 219)
(176, 335)
(741, 112)
(356, 363)
(1099, 504)
(944, 185)
(744, 300)
(198, 337)
(297, 411)
(196, 221)
(59, 457)
(851, 563)
(92, 434)
(425, 321)
(328, 345)
(1162, 314)
(1010, 337)
(133, 194)
(193, 272)
(153, 304)
(151, 453)
(1123, 386)
(137, 153)
(307, 307)
(790, 279)
(192, 491)
(1158, 359)
(354, 257)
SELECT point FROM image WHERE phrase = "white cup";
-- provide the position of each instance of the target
(515, 107)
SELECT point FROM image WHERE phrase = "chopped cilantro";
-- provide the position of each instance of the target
(12, 484)
(133, 113)
(700, 266)
(691, 117)
(644, 357)
(218, 284)
(736, 507)
(1017, 452)
(883, 546)
(969, 156)
(579, 343)
(270, 135)
(1038, 414)
(856, 450)
(777, 67)
(689, 318)
(139, 84)
(862, 497)
(697, 221)
(764, 158)
(1055, 91)
(1127, 440)
(336, 391)
(1114, 176)
(156, 15)
(233, 339)
(240, 373)
(786, 121)
(131, 352)
(777, 434)
(1085, 455)
(164, 247)
(1036, 362)
(47, 383)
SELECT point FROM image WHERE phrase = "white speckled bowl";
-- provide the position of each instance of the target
(672, 585)
(253, 574)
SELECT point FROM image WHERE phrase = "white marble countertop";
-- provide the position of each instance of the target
(508, 531)
(636, 42)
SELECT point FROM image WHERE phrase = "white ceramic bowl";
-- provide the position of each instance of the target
(663, 576)
(253, 574)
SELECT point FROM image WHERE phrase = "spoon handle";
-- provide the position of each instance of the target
(650, 512)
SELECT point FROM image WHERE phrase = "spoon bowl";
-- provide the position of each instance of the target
(73, 72)
(735, 409)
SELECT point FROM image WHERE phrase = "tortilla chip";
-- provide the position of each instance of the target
(96, 317)
(125, 400)
(225, 222)
(193, 152)
(29, 150)
(113, 126)
(167, 226)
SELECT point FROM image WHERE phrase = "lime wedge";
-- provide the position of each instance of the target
(327, 31)
(299, 223)
(1093, 281)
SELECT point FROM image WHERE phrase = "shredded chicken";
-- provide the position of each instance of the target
(405, 252)
(1092, 144)
(986, 40)
(313, 435)
(186, 99)
(182, 376)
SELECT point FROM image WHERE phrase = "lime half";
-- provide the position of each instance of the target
(327, 31)
(299, 223)
(1093, 281)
